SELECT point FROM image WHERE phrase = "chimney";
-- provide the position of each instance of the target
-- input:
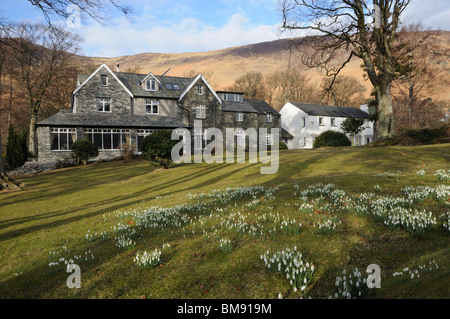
(118, 64)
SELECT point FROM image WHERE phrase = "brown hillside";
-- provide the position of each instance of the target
(229, 64)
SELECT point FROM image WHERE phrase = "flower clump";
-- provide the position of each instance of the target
(351, 286)
(148, 260)
(289, 262)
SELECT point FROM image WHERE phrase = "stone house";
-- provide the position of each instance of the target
(304, 122)
(115, 110)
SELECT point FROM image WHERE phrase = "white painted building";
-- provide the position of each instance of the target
(305, 122)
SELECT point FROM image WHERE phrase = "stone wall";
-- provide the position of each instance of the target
(86, 97)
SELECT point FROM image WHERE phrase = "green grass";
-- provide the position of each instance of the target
(58, 209)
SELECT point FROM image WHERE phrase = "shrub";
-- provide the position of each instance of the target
(83, 150)
(157, 148)
(283, 147)
(331, 139)
(128, 151)
(16, 148)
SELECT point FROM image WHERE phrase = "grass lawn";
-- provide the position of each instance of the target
(89, 214)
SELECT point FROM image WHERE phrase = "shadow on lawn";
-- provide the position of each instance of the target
(126, 200)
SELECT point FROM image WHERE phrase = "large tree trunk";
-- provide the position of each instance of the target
(32, 145)
(385, 127)
(5, 181)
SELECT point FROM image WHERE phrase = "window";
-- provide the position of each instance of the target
(169, 86)
(175, 86)
(269, 139)
(201, 112)
(321, 122)
(104, 104)
(199, 139)
(333, 121)
(104, 80)
(151, 107)
(62, 138)
(141, 134)
(269, 118)
(239, 117)
(150, 85)
(240, 138)
(232, 97)
(108, 139)
(304, 122)
(304, 141)
(199, 90)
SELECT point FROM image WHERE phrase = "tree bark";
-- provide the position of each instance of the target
(5, 181)
(32, 145)
(385, 113)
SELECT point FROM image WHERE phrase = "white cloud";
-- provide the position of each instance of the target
(188, 35)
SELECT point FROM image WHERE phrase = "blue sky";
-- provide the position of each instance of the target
(171, 26)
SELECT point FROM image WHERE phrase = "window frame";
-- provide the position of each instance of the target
(240, 117)
(107, 131)
(150, 85)
(199, 90)
(104, 76)
(333, 121)
(102, 100)
(200, 112)
(59, 131)
(269, 118)
(151, 103)
(321, 121)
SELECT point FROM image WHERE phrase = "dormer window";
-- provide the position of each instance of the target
(150, 85)
(103, 80)
(232, 97)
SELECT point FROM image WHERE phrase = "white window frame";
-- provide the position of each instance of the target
(151, 104)
(333, 121)
(200, 112)
(199, 90)
(150, 85)
(321, 121)
(103, 101)
(304, 122)
(59, 131)
(240, 138)
(199, 137)
(105, 131)
(269, 118)
(239, 117)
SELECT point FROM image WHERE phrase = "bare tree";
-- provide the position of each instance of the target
(43, 56)
(5, 180)
(346, 29)
(251, 84)
(346, 91)
(95, 9)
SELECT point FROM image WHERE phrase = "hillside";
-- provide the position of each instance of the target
(230, 63)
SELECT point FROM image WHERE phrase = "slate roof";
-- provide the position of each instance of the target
(262, 107)
(111, 120)
(331, 111)
(132, 82)
(249, 106)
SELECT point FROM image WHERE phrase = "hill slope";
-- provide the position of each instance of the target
(227, 65)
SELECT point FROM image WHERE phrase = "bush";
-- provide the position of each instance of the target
(331, 139)
(157, 148)
(83, 150)
(16, 148)
(424, 136)
(283, 147)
